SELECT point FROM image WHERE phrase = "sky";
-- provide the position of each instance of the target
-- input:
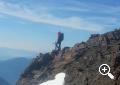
(33, 24)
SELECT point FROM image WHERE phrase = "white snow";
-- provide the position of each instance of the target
(59, 80)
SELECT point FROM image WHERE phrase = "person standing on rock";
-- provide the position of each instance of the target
(59, 41)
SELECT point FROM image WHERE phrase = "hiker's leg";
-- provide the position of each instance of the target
(55, 46)
(59, 45)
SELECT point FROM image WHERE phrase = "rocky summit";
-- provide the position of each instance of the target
(80, 62)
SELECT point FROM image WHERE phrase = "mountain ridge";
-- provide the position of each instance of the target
(80, 62)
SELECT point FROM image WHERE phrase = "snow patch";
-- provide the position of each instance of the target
(59, 80)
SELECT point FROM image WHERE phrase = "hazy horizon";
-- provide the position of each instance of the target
(10, 53)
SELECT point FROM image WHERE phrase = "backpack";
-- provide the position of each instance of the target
(62, 37)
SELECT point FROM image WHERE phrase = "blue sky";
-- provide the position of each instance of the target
(32, 24)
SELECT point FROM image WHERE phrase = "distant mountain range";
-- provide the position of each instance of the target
(11, 69)
(12, 64)
(3, 82)
(8, 53)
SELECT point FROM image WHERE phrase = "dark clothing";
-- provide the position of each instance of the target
(59, 33)
(58, 46)
(59, 40)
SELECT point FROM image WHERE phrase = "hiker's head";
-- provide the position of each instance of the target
(59, 32)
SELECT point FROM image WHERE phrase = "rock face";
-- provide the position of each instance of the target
(80, 63)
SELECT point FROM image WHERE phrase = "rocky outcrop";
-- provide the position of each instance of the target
(80, 63)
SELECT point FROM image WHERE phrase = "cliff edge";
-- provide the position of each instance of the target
(80, 62)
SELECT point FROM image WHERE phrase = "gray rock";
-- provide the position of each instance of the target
(80, 65)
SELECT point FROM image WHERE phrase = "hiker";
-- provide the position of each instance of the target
(59, 40)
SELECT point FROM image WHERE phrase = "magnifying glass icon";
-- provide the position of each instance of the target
(104, 69)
